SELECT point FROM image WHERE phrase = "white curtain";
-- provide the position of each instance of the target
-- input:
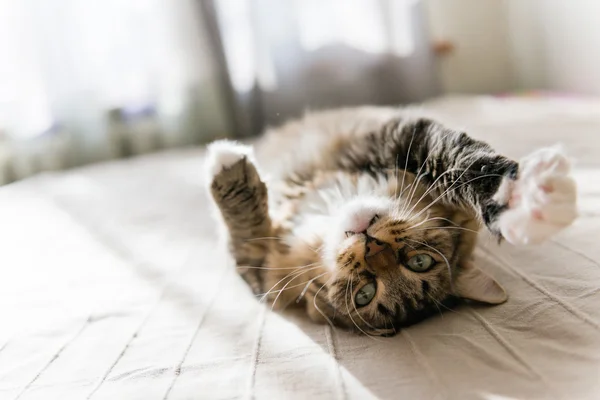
(286, 56)
(90, 80)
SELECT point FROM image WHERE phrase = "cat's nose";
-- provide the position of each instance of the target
(374, 246)
(379, 254)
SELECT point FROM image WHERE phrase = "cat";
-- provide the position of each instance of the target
(371, 217)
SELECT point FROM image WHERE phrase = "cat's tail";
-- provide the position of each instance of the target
(242, 198)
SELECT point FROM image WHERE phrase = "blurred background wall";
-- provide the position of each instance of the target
(507, 45)
(83, 81)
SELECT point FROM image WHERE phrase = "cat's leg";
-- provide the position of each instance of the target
(242, 199)
(463, 171)
(525, 202)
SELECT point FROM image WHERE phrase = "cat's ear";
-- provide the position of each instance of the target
(474, 284)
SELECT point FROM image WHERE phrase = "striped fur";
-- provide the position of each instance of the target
(410, 183)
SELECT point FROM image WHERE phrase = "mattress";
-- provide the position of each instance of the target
(113, 286)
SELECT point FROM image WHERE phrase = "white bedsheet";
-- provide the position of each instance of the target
(112, 287)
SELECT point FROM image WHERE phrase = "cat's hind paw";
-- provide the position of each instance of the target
(543, 199)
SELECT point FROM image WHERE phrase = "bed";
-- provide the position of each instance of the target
(112, 286)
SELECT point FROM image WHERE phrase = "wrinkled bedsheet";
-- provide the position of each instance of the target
(112, 286)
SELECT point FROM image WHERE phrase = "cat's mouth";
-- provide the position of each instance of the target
(362, 223)
(361, 213)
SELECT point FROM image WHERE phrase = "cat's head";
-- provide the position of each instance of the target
(393, 263)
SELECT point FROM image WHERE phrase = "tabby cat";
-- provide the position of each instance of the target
(371, 217)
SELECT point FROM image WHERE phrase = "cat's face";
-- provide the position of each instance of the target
(393, 265)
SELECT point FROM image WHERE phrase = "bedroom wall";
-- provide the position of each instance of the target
(480, 62)
(555, 44)
(518, 45)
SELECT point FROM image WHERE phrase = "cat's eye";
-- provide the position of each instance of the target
(420, 262)
(365, 294)
(374, 219)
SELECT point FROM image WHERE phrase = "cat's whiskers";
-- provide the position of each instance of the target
(401, 212)
(285, 287)
(408, 187)
(456, 226)
(433, 185)
(283, 239)
(350, 313)
(447, 220)
(298, 270)
(299, 284)
(422, 222)
(308, 285)
(266, 268)
(431, 219)
(315, 301)
(391, 323)
(407, 156)
(437, 303)
(411, 246)
(415, 184)
(354, 305)
(418, 174)
(396, 176)
(412, 187)
(450, 188)
(264, 238)
(445, 227)
(317, 250)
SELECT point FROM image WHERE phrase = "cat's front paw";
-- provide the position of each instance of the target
(542, 200)
(231, 173)
(223, 155)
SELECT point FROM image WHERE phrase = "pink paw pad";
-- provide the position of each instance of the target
(546, 188)
(537, 214)
(543, 199)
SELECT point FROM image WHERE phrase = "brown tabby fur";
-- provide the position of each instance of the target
(444, 183)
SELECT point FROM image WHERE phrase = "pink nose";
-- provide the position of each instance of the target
(379, 255)
(374, 246)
